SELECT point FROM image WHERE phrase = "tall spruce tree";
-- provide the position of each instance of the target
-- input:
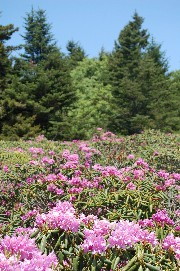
(37, 98)
(53, 94)
(38, 38)
(123, 66)
(5, 63)
(76, 54)
(137, 73)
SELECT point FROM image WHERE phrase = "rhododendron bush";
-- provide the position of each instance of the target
(110, 203)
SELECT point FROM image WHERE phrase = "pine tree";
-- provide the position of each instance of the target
(154, 52)
(5, 64)
(124, 68)
(137, 73)
(166, 107)
(38, 37)
(76, 54)
(53, 94)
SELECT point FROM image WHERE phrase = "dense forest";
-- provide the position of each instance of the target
(67, 96)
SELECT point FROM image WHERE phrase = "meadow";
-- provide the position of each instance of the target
(109, 203)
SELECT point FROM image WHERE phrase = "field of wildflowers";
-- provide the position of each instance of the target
(109, 203)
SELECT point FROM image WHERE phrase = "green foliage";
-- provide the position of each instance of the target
(25, 184)
(69, 96)
(140, 85)
(93, 106)
(76, 54)
(38, 38)
(5, 64)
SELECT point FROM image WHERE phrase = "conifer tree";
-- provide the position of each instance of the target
(76, 54)
(5, 64)
(123, 67)
(137, 73)
(38, 37)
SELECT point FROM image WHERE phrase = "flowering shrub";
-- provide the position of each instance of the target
(105, 204)
(21, 253)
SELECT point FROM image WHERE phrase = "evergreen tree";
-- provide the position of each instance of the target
(38, 37)
(166, 107)
(18, 117)
(43, 93)
(53, 94)
(154, 52)
(137, 73)
(123, 67)
(76, 54)
(5, 63)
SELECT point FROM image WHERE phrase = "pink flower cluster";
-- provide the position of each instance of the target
(105, 136)
(29, 215)
(161, 217)
(93, 243)
(122, 234)
(21, 253)
(72, 160)
(36, 151)
(126, 234)
(167, 179)
(146, 223)
(62, 216)
(53, 188)
(89, 151)
(46, 160)
(172, 243)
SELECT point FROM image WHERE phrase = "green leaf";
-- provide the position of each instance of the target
(130, 263)
(152, 267)
(43, 243)
(75, 263)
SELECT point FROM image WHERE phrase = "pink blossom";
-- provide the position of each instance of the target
(61, 216)
(130, 156)
(173, 244)
(126, 234)
(161, 217)
(47, 160)
(131, 186)
(5, 168)
(146, 223)
(93, 243)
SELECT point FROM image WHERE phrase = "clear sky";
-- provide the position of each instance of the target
(97, 23)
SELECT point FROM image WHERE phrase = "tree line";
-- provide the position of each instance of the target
(67, 96)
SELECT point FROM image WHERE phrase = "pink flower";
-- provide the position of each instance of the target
(156, 153)
(61, 216)
(138, 173)
(169, 182)
(161, 217)
(126, 234)
(93, 243)
(131, 186)
(130, 156)
(47, 160)
(23, 254)
(173, 244)
(5, 168)
(146, 223)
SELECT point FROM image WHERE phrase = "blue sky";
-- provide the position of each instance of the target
(97, 23)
